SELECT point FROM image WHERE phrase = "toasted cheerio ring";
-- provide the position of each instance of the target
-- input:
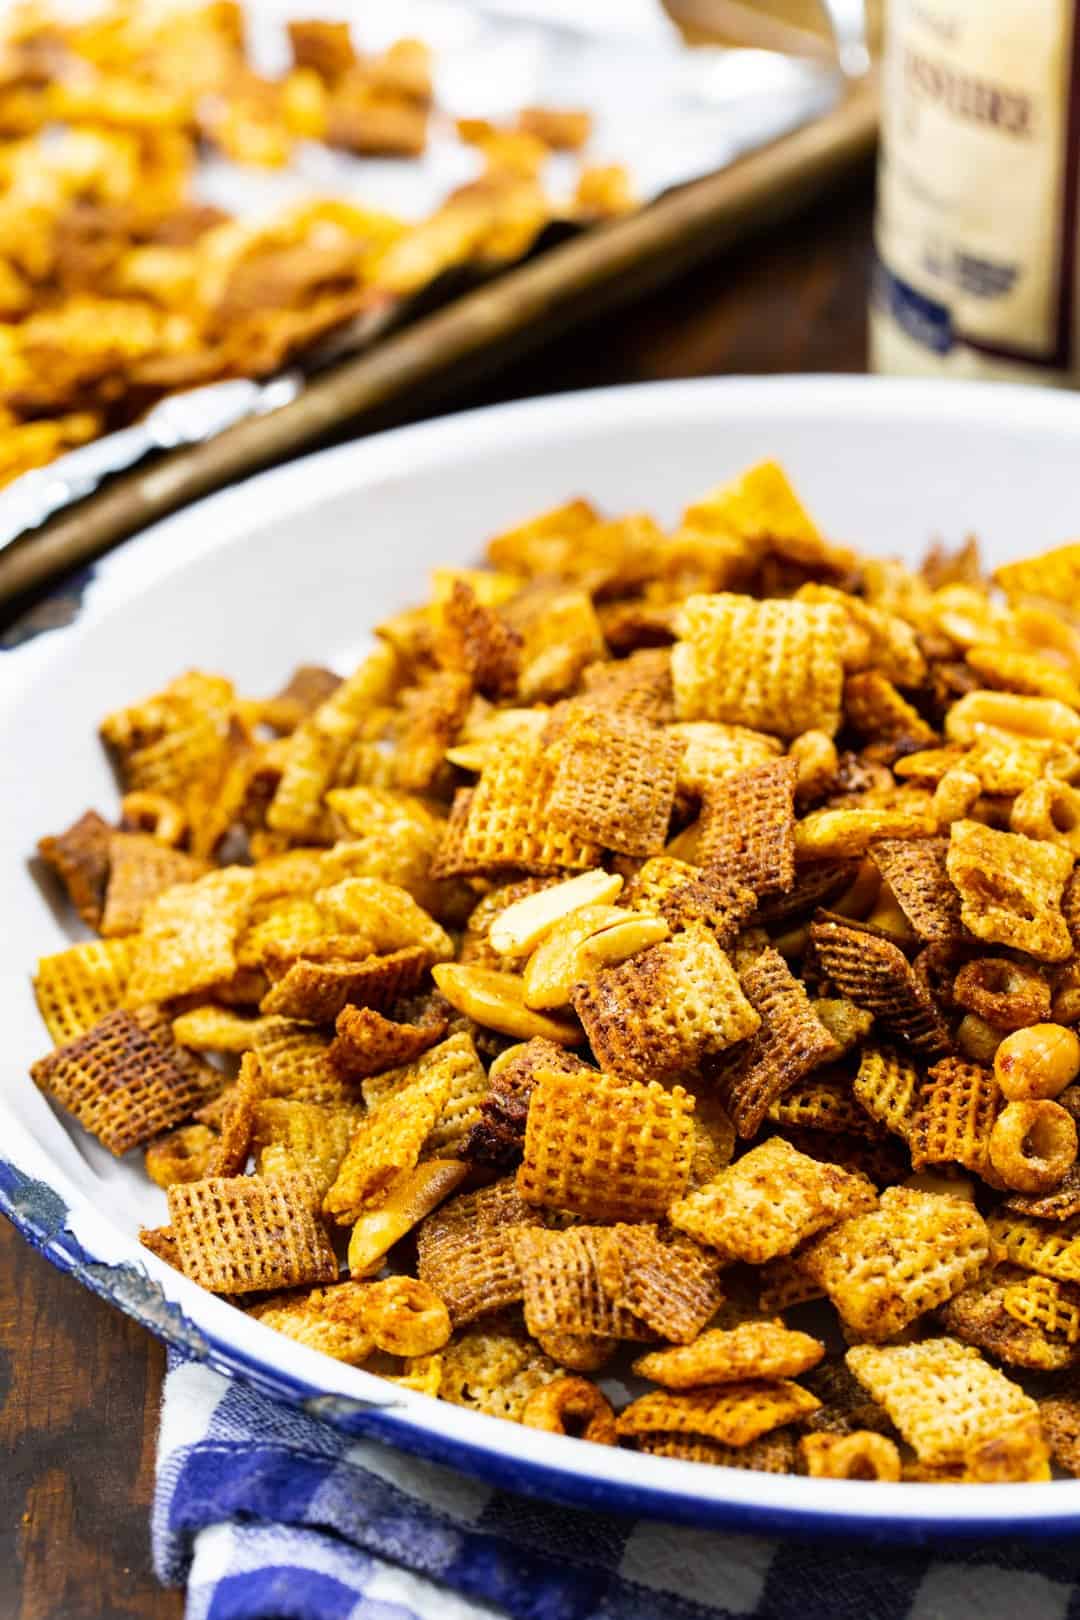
(180, 1156)
(153, 813)
(405, 1317)
(1039, 1061)
(571, 1406)
(861, 1455)
(1033, 1144)
(1007, 994)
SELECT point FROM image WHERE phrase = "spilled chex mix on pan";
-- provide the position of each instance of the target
(637, 1002)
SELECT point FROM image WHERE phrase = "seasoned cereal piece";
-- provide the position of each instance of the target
(1051, 1250)
(161, 1241)
(188, 940)
(289, 1135)
(327, 1319)
(77, 987)
(1009, 995)
(876, 710)
(455, 1062)
(474, 640)
(847, 1024)
(875, 974)
(712, 752)
(774, 666)
(411, 1196)
(883, 1269)
(858, 1455)
(638, 685)
(730, 1414)
(125, 1080)
(507, 822)
(80, 858)
(1060, 1205)
(1011, 888)
(790, 1041)
(140, 869)
(671, 1283)
(882, 1160)
(942, 1396)
(492, 1368)
(562, 1287)
(786, 1282)
(581, 1352)
(1053, 574)
(169, 741)
(824, 1102)
(318, 991)
(497, 1140)
(571, 1406)
(466, 1250)
(294, 1062)
(887, 1086)
(747, 829)
(614, 781)
(180, 1155)
(210, 1028)
(773, 1453)
(955, 1118)
(1059, 1416)
(233, 1147)
(915, 870)
(770, 1201)
(1041, 1302)
(605, 1149)
(405, 1317)
(244, 1234)
(386, 912)
(830, 834)
(762, 509)
(665, 1010)
(366, 1043)
(384, 1144)
(432, 716)
(750, 1350)
(980, 1315)
(846, 1407)
(561, 637)
(683, 894)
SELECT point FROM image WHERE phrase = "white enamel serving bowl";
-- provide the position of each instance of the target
(295, 565)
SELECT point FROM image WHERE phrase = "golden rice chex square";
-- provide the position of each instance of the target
(606, 1149)
(661, 1013)
(614, 781)
(244, 1234)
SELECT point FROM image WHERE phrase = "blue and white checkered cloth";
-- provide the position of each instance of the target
(267, 1514)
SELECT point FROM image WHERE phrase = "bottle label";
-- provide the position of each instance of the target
(978, 184)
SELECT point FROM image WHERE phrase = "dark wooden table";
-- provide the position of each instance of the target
(79, 1383)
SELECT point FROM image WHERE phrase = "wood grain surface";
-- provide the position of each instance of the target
(78, 1382)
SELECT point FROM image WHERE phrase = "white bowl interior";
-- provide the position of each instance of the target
(297, 565)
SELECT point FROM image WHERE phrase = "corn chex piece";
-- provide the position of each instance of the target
(169, 741)
(1053, 574)
(393, 837)
(411, 1196)
(466, 1251)
(139, 870)
(956, 1115)
(614, 781)
(774, 666)
(712, 752)
(824, 1102)
(561, 637)
(243, 1234)
(875, 974)
(366, 1043)
(731, 1414)
(385, 1143)
(1050, 1250)
(1044, 1303)
(683, 894)
(750, 1350)
(125, 1080)
(294, 1062)
(979, 1315)
(747, 829)
(472, 639)
(161, 1241)
(790, 1041)
(508, 821)
(432, 716)
(386, 913)
(915, 870)
(664, 1011)
(887, 1086)
(761, 508)
(216, 1029)
(606, 1149)
(562, 1287)
(494, 1369)
(773, 1453)
(80, 858)
(455, 1063)
(280, 926)
(671, 1283)
(318, 991)
(290, 1135)
(327, 1319)
(943, 1397)
(638, 685)
(76, 987)
(189, 936)
(770, 1201)
(883, 1269)
(875, 709)
(1011, 888)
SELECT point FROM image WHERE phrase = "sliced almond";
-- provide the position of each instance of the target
(522, 926)
(497, 1001)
